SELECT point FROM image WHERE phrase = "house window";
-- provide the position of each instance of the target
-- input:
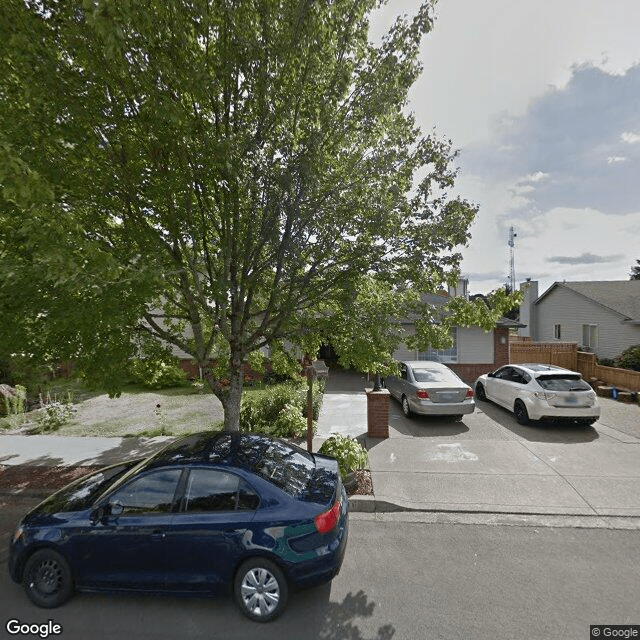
(590, 336)
(557, 333)
(441, 355)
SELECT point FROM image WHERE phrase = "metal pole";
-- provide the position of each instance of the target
(310, 409)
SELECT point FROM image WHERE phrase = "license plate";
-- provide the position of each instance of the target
(571, 399)
(448, 397)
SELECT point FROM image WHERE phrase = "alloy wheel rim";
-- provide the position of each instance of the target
(260, 592)
(47, 577)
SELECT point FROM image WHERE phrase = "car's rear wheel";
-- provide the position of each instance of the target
(480, 394)
(260, 589)
(47, 579)
(520, 412)
(406, 409)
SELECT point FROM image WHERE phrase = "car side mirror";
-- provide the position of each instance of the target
(491, 375)
(105, 510)
(115, 508)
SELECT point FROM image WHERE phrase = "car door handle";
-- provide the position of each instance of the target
(158, 535)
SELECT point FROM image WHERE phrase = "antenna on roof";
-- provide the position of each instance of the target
(512, 264)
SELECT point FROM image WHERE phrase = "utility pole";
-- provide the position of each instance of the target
(512, 264)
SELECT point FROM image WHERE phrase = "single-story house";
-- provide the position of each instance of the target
(601, 316)
(474, 351)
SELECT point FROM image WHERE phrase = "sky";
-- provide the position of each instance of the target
(542, 100)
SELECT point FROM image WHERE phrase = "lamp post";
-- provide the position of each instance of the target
(310, 376)
(312, 372)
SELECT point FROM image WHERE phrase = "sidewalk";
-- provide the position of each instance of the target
(40, 465)
(490, 464)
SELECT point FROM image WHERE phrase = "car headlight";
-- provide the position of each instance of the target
(18, 534)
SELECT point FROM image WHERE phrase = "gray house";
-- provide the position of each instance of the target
(602, 316)
(474, 350)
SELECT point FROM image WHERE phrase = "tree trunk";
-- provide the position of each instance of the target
(233, 399)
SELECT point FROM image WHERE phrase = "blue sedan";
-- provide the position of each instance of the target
(208, 513)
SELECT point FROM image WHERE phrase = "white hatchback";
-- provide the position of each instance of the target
(540, 392)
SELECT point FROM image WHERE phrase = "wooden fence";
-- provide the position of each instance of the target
(566, 354)
(621, 378)
(562, 354)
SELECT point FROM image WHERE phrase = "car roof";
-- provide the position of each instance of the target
(227, 448)
(426, 364)
(537, 368)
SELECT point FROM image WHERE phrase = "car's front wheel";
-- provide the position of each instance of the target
(47, 579)
(480, 393)
(520, 412)
(406, 408)
(260, 589)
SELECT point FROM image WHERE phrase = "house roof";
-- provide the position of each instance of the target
(620, 296)
(440, 300)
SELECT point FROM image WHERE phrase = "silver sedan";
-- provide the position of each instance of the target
(431, 389)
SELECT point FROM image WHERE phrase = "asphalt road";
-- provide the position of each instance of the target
(401, 579)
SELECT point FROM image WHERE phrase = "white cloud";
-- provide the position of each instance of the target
(630, 137)
(559, 243)
(536, 177)
(563, 140)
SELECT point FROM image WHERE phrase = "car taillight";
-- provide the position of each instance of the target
(469, 393)
(327, 520)
(422, 394)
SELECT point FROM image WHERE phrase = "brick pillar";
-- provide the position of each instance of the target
(500, 346)
(378, 414)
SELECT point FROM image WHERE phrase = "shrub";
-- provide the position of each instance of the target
(630, 358)
(15, 402)
(158, 372)
(349, 453)
(52, 416)
(279, 411)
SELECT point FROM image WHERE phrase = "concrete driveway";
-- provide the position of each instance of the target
(488, 463)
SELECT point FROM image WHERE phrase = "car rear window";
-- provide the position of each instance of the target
(287, 466)
(428, 375)
(563, 383)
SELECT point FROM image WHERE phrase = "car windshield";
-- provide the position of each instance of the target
(81, 494)
(563, 383)
(428, 375)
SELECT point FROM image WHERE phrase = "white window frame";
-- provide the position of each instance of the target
(441, 355)
(590, 336)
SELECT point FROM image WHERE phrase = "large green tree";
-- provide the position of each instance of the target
(218, 176)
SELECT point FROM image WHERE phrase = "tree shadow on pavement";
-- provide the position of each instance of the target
(310, 614)
(540, 430)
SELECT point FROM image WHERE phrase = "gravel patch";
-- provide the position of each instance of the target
(136, 412)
